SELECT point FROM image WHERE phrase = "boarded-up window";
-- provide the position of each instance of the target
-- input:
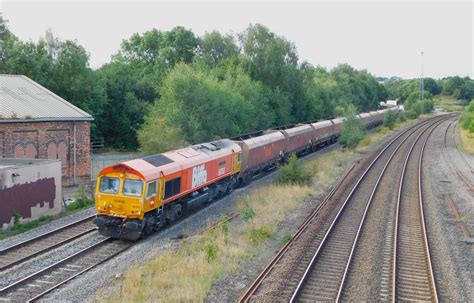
(52, 150)
(62, 153)
(19, 151)
(31, 151)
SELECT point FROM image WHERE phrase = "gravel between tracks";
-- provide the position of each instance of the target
(275, 287)
(60, 222)
(451, 256)
(363, 281)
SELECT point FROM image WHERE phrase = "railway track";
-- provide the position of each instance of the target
(322, 277)
(25, 250)
(412, 271)
(44, 281)
(38, 284)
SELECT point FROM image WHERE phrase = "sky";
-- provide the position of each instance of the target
(385, 38)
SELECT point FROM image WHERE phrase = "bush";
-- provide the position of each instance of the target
(410, 114)
(293, 173)
(82, 201)
(402, 116)
(389, 119)
(260, 234)
(352, 131)
(467, 118)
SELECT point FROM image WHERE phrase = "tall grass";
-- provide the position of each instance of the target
(187, 273)
(467, 140)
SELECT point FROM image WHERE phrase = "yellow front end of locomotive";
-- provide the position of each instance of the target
(120, 195)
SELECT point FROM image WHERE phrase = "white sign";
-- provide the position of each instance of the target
(199, 175)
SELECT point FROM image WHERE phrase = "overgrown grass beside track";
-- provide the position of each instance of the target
(187, 273)
(467, 141)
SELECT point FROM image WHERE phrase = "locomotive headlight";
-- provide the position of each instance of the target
(110, 205)
(98, 196)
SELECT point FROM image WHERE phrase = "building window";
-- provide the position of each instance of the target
(31, 151)
(52, 150)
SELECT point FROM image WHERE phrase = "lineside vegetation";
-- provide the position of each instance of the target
(466, 122)
(188, 272)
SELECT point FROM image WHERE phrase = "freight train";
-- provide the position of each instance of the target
(140, 196)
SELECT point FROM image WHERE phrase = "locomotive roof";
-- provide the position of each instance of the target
(152, 167)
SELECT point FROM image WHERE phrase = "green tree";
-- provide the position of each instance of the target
(352, 131)
(389, 119)
(125, 112)
(156, 136)
(215, 47)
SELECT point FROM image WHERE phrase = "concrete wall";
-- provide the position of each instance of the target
(50, 140)
(30, 188)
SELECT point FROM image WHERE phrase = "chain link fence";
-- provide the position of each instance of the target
(100, 161)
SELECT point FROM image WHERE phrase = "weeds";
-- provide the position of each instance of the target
(286, 238)
(293, 173)
(82, 200)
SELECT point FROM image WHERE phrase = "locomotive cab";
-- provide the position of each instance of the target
(120, 198)
(120, 195)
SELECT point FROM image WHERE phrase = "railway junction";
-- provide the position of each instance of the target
(395, 227)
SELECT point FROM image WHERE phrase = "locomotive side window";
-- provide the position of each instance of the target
(172, 187)
(109, 185)
(151, 189)
(132, 187)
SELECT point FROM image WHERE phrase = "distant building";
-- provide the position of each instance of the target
(392, 102)
(35, 123)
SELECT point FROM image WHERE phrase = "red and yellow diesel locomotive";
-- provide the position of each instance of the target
(137, 197)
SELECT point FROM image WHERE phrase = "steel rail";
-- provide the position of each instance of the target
(246, 296)
(335, 220)
(339, 293)
(425, 236)
(268, 268)
(62, 261)
(15, 251)
(26, 242)
(397, 213)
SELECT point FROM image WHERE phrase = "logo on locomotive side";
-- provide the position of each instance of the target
(199, 175)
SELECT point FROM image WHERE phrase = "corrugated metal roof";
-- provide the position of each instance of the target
(27, 100)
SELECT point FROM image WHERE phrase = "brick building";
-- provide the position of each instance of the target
(36, 123)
